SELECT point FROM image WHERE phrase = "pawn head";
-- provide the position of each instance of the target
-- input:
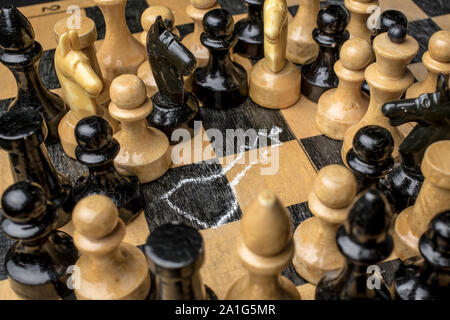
(127, 91)
(356, 54)
(373, 143)
(397, 33)
(149, 16)
(332, 19)
(434, 244)
(24, 201)
(439, 45)
(93, 133)
(390, 17)
(16, 32)
(218, 24)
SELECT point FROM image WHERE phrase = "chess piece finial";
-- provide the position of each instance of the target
(170, 60)
(316, 252)
(175, 253)
(250, 31)
(20, 53)
(301, 47)
(436, 60)
(363, 240)
(265, 250)
(109, 269)
(229, 85)
(36, 263)
(97, 150)
(120, 52)
(330, 34)
(149, 159)
(433, 198)
(147, 20)
(274, 80)
(431, 111)
(388, 79)
(427, 277)
(339, 108)
(360, 12)
(22, 135)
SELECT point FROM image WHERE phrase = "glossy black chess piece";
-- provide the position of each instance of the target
(250, 31)
(21, 54)
(364, 241)
(370, 158)
(175, 253)
(22, 135)
(97, 149)
(170, 60)
(427, 277)
(37, 262)
(222, 83)
(330, 34)
(431, 111)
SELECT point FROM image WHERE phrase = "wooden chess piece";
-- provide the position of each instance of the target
(427, 277)
(222, 83)
(433, 198)
(20, 54)
(109, 269)
(274, 80)
(330, 34)
(436, 60)
(250, 32)
(370, 158)
(316, 252)
(97, 149)
(360, 12)
(431, 111)
(364, 240)
(301, 47)
(120, 52)
(36, 263)
(22, 135)
(265, 249)
(197, 10)
(388, 79)
(147, 19)
(87, 35)
(340, 108)
(175, 254)
(170, 60)
(144, 151)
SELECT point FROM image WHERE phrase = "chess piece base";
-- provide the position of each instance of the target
(406, 243)
(275, 90)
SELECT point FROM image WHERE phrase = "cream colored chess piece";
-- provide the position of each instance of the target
(360, 12)
(109, 269)
(147, 19)
(339, 108)
(436, 60)
(274, 80)
(80, 85)
(87, 35)
(433, 198)
(196, 10)
(316, 251)
(301, 47)
(388, 79)
(120, 52)
(144, 151)
(265, 249)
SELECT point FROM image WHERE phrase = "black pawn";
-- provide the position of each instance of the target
(250, 31)
(22, 135)
(364, 241)
(21, 55)
(427, 277)
(37, 262)
(222, 83)
(175, 253)
(330, 34)
(370, 159)
(97, 149)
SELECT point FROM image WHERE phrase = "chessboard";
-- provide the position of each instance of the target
(213, 186)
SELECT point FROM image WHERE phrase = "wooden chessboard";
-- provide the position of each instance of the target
(210, 192)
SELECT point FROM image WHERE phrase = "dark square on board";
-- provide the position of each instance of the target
(322, 151)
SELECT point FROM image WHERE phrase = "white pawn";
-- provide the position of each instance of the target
(144, 151)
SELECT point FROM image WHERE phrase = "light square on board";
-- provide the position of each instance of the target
(443, 21)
